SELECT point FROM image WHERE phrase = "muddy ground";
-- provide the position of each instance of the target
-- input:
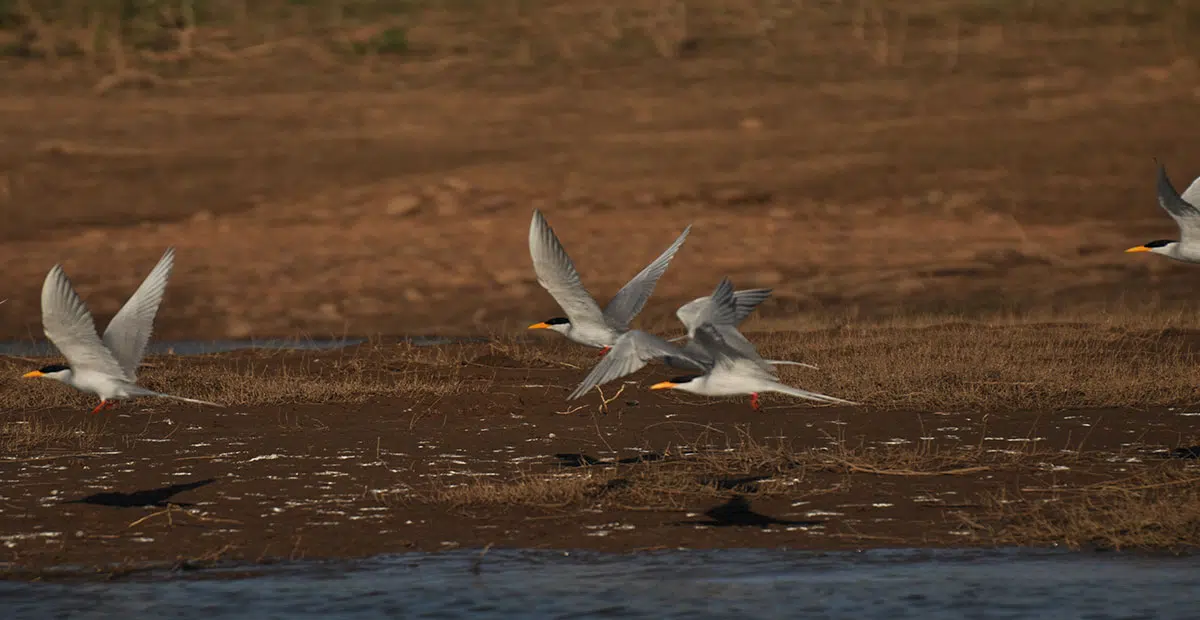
(322, 177)
(986, 161)
(501, 459)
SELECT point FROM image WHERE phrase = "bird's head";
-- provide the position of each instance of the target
(675, 383)
(58, 372)
(558, 324)
(1158, 246)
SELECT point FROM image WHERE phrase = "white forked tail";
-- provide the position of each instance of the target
(821, 398)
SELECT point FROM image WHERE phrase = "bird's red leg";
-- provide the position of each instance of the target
(604, 351)
(754, 401)
(110, 404)
(101, 407)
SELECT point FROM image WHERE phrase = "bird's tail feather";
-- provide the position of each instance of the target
(821, 398)
(185, 399)
(791, 363)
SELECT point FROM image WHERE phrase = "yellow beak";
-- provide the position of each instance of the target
(1140, 248)
(32, 373)
(662, 386)
(539, 326)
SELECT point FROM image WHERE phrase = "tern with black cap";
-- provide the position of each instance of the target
(585, 323)
(1184, 210)
(103, 365)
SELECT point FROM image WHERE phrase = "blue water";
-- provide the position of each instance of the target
(878, 584)
(205, 347)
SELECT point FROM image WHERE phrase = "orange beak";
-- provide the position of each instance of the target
(539, 326)
(31, 374)
(665, 385)
(1140, 248)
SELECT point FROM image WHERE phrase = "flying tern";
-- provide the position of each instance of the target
(585, 322)
(730, 367)
(103, 365)
(1186, 213)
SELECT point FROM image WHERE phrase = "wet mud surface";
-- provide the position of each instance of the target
(165, 483)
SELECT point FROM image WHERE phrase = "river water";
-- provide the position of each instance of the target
(876, 584)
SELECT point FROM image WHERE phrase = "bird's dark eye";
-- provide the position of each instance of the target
(1158, 243)
(45, 370)
(558, 320)
(678, 380)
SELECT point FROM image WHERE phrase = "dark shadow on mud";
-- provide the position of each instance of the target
(149, 497)
(568, 459)
(1187, 452)
(737, 513)
(743, 484)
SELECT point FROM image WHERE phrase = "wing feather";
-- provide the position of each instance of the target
(629, 354)
(632, 297)
(68, 324)
(556, 273)
(128, 333)
(1185, 214)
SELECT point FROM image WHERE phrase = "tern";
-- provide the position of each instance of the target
(585, 322)
(1186, 214)
(730, 363)
(105, 366)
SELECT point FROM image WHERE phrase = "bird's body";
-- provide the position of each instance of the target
(103, 365)
(1185, 210)
(730, 364)
(585, 322)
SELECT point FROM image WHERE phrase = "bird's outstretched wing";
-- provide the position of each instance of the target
(129, 331)
(69, 325)
(695, 312)
(556, 273)
(629, 354)
(632, 297)
(1185, 213)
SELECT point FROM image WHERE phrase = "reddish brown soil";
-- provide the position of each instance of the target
(332, 481)
(394, 197)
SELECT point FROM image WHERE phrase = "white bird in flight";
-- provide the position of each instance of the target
(105, 366)
(732, 365)
(585, 322)
(1185, 210)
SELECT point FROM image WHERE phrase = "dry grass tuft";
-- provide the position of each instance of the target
(1158, 509)
(36, 436)
(1008, 364)
(750, 468)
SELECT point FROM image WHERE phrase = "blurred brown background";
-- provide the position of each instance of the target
(331, 167)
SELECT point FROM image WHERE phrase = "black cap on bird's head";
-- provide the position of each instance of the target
(46, 370)
(674, 382)
(551, 323)
(1151, 246)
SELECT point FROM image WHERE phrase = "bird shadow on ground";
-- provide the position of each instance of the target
(148, 497)
(570, 459)
(737, 512)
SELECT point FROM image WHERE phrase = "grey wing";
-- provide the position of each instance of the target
(129, 331)
(629, 354)
(691, 313)
(727, 345)
(699, 310)
(746, 301)
(1185, 213)
(556, 273)
(628, 301)
(69, 325)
